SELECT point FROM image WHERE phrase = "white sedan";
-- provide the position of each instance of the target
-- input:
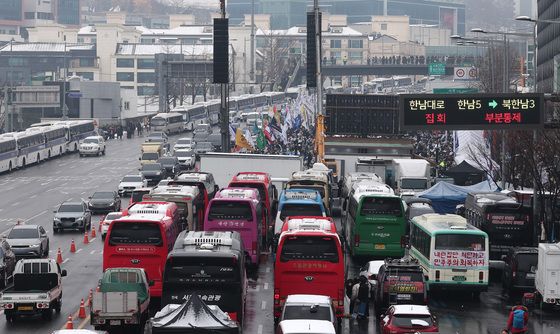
(183, 144)
(94, 145)
(130, 183)
(106, 221)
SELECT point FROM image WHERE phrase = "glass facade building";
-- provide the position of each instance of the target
(68, 12)
(548, 47)
(11, 10)
(288, 13)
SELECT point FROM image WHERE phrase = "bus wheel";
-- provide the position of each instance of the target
(38, 158)
(49, 156)
(10, 167)
(23, 163)
(60, 151)
(75, 147)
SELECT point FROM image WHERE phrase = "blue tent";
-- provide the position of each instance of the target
(446, 196)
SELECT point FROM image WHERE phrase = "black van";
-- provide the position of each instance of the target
(520, 268)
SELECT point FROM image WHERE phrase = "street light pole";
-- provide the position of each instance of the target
(64, 108)
(252, 59)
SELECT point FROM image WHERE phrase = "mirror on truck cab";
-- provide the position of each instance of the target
(151, 283)
(63, 273)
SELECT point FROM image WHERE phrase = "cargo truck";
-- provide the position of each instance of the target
(410, 176)
(547, 280)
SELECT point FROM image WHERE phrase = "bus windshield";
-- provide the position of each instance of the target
(258, 186)
(414, 183)
(462, 242)
(137, 195)
(157, 121)
(187, 269)
(314, 248)
(236, 210)
(320, 189)
(381, 206)
(301, 209)
(140, 233)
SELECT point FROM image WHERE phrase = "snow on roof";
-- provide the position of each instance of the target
(411, 309)
(44, 47)
(302, 31)
(308, 299)
(311, 326)
(152, 49)
(177, 31)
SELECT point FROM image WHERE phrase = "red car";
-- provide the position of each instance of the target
(402, 319)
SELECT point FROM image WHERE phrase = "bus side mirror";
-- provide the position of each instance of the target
(63, 273)
(151, 283)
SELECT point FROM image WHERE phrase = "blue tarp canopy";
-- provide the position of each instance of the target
(446, 196)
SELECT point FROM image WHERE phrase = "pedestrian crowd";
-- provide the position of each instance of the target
(408, 60)
(117, 131)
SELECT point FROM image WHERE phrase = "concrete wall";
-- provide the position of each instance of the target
(106, 99)
(395, 26)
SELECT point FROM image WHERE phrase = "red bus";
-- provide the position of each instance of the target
(309, 223)
(268, 195)
(142, 238)
(309, 262)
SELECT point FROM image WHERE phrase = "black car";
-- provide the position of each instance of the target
(153, 173)
(7, 263)
(520, 268)
(170, 164)
(104, 201)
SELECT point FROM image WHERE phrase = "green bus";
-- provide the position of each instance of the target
(375, 221)
(452, 253)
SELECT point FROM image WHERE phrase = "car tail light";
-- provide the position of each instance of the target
(340, 297)
(254, 246)
(356, 240)
(42, 305)
(233, 315)
(7, 306)
(514, 270)
(437, 275)
(276, 296)
(480, 276)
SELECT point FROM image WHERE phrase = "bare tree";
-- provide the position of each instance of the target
(275, 64)
(491, 73)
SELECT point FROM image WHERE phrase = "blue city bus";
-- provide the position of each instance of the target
(298, 202)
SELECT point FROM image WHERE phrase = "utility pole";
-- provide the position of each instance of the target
(252, 59)
(64, 108)
(320, 126)
(221, 42)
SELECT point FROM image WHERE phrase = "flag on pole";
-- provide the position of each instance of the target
(241, 141)
(249, 137)
(261, 140)
(231, 133)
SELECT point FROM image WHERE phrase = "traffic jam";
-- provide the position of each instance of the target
(179, 254)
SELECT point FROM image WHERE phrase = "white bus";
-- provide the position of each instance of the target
(213, 110)
(453, 254)
(168, 122)
(8, 154)
(196, 114)
(30, 147)
(77, 130)
(55, 140)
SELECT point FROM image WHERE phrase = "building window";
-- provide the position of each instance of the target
(85, 75)
(125, 62)
(17, 62)
(87, 62)
(355, 44)
(383, 26)
(336, 44)
(44, 16)
(29, 15)
(355, 56)
(356, 81)
(146, 63)
(125, 76)
(337, 81)
(80, 39)
(146, 77)
(146, 90)
(127, 105)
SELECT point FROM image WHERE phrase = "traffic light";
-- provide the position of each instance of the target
(312, 50)
(221, 51)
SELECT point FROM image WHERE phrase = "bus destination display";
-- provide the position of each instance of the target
(471, 111)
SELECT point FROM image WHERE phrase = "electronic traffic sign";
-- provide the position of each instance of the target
(471, 111)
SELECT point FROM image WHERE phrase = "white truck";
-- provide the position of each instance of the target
(123, 299)
(37, 289)
(410, 176)
(547, 280)
(224, 166)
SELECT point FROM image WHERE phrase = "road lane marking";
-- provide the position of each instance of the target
(266, 286)
(33, 196)
(15, 203)
(79, 250)
(65, 260)
(93, 251)
(91, 240)
(260, 329)
(35, 216)
(263, 305)
(84, 322)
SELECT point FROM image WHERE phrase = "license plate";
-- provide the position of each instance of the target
(25, 308)
(401, 296)
(530, 275)
(114, 322)
(379, 246)
(459, 278)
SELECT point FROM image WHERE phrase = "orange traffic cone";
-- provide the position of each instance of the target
(90, 298)
(59, 256)
(86, 238)
(101, 223)
(69, 324)
(82, 312)
(93, 234)
(73, 247)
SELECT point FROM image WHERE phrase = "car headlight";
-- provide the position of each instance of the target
(79, 219)
(34, 246)
(56, 219)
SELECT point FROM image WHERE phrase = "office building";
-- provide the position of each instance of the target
(68, 12)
